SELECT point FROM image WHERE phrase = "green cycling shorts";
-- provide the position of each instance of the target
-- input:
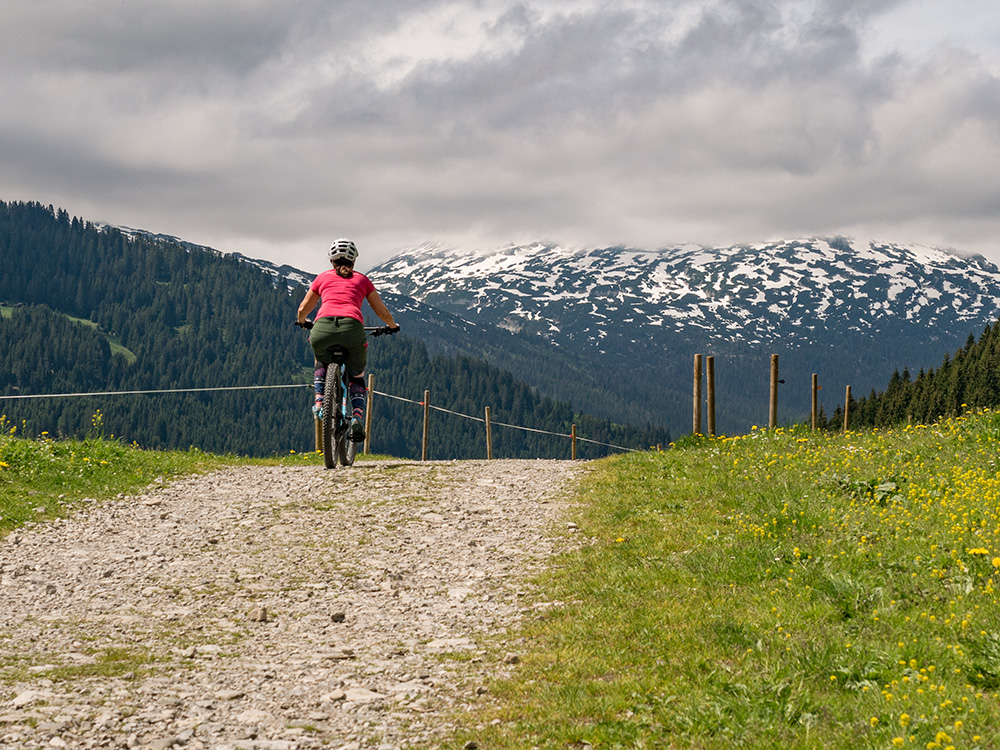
(346, 332)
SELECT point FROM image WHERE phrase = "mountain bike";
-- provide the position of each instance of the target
(337, 409)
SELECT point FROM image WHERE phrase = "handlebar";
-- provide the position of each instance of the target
(381, 330)
(370, 330)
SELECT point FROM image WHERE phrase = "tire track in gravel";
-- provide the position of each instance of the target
(273, 608)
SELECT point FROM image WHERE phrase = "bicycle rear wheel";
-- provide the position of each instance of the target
(331, 415)
(346, 447)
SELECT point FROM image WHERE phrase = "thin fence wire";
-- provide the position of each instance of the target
(306, 385)
(162, 390)
(504, 424)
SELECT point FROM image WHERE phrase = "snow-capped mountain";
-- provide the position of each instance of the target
(744, 294)
(851, 311)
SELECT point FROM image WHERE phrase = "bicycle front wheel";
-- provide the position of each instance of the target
(331, 413)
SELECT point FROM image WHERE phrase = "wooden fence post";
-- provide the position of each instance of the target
(815, 402)
(368, 413)
(572, 450)
(772, 419)
(710, 382)
(427, 418)
(696, 421)
(847, 407)
(489, 435)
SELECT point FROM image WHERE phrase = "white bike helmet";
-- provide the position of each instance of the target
(343, 249)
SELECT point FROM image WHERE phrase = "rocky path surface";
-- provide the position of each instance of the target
(273, 608)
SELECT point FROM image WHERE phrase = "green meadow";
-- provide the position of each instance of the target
(783, 589)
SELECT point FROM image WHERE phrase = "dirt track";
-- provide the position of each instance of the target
(273, 608)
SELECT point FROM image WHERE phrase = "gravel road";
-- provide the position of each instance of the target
(274, 608)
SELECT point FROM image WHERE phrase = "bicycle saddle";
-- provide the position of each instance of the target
(338, 354)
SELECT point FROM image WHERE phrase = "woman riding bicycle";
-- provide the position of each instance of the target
(340, 292)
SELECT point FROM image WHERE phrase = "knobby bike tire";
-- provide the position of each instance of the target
(331, 411)
(346, 447)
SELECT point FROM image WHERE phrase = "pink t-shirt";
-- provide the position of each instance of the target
(341, 297)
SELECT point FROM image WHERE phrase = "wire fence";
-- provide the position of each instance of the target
(572, 436)
(511, 426)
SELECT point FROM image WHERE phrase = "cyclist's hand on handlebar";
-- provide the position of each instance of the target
(392, 329)
(307, 324)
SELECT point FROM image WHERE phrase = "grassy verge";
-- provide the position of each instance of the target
(44, 478)
(775, 590)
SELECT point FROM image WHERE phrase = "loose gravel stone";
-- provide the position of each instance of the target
(273, 608)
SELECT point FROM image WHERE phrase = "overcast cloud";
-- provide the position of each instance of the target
(270, 128)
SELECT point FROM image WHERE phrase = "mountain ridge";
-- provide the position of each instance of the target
(693, 284)
(852, 313)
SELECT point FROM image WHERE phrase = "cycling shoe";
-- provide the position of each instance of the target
(357, 430)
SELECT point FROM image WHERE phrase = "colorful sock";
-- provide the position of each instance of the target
(359, 399)
(319, 381)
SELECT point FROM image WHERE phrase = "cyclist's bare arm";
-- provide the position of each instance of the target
(307, 305)
(378, 307)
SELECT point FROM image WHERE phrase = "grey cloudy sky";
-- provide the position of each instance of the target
(270, 128)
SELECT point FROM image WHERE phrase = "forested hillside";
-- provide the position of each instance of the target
(89, 309)
(969, 379)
